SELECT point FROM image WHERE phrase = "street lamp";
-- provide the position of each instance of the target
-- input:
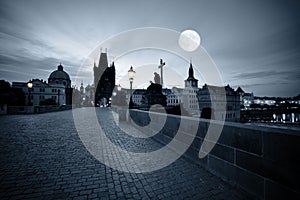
(29, 86)
(131, 74)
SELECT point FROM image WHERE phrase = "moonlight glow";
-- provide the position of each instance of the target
(189, 40)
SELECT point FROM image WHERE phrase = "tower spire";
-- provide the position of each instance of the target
(191, 81)
(191, 70)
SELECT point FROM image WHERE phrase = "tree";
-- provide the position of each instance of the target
(11, 96)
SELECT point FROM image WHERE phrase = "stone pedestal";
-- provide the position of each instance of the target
(154, 96)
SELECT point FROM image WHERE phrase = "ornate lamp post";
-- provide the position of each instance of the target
(29, 86)
(131, 74)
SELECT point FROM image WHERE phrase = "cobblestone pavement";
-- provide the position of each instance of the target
(42, 157)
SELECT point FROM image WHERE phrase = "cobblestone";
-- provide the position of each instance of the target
(43, 157)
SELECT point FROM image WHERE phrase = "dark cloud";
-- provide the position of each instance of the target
(28, 68)
(257, 40)
(267, 74)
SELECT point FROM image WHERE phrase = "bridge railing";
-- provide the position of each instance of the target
(262, 161)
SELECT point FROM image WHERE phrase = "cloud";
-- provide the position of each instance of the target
(258, 41)
(268, 75)
(28, 68)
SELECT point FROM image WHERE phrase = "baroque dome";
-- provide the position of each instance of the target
(59, 76)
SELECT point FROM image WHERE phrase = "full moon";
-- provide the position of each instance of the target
(189, 40)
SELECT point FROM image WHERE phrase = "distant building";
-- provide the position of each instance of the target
(208, 93)
(57, 90)
(246, 98)
(172, 98)
(189, 94)
(137, 96)
(104, 80)
(262, 101)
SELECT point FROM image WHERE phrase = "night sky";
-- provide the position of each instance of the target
(255, 44)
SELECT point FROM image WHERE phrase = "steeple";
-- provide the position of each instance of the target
(191, 71)
(191, 81)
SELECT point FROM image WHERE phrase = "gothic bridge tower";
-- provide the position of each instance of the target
(104, 80)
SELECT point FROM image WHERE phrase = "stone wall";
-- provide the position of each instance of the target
(262, 161)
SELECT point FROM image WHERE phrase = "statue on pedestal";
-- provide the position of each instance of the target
(154, 93)
(156, 78)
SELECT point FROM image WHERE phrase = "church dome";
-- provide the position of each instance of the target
(59, 76)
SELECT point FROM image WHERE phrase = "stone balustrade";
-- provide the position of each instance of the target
(262, 161)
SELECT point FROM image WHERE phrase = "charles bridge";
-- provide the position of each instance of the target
(43, 157)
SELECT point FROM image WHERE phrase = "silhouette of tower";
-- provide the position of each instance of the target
(104, 80)
(191, 81)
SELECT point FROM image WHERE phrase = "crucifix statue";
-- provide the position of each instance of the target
(161, 71)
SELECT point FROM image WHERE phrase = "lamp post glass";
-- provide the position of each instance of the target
(29, 85)
(131, 73)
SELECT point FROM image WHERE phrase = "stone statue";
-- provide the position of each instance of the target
(156, 78)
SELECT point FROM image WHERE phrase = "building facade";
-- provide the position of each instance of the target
(57, 91)
(172, 98)
(246, 98)
(137, 96)
(189, 98)
(209, 93)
